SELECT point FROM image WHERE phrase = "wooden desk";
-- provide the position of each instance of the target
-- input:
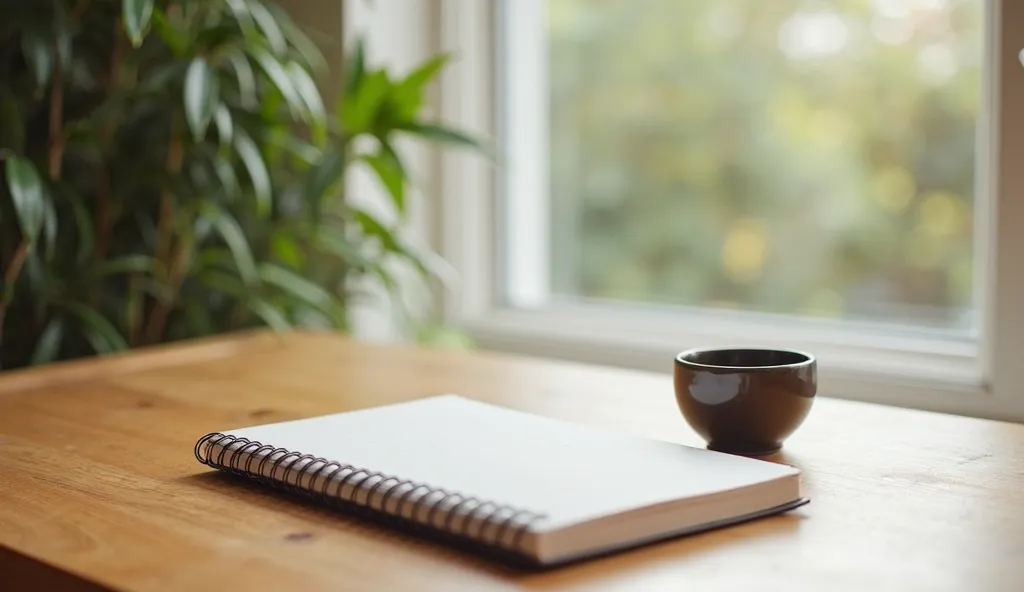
(99, 489)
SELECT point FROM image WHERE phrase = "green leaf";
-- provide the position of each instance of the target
(388, 151)
(28, 194)
(234, 237)
(224, 282)
(299, 287)
(441, 134)
(429, 263)
(136, 15)
(126, 264)
(302, 150)
(286, 249)
(310, 96)
(258, 174)
(359, 110)
(355, 68)
(386, 278)
(49, 230)
(176, 39)
(323, 177)
(279, 76)
(275, 137)
(40, 277)
(307, 50)
(240, 8)
(391, 174)
(201, 97)
(269, 314)
(216, 257)
(419, 77)
(373, 227)
(203, 229)
(226, 175)
(408, 94)
(131, 317)
(101, 334)
(271, 30)
(246, 79)
(83, 222)
(38, 55)
(225, 126)
(332, 242)
(49, 342)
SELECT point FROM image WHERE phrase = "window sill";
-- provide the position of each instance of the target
(901, 370)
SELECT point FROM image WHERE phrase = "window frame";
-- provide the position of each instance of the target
(978, 377)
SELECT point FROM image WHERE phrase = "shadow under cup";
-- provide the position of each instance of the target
(745, 400)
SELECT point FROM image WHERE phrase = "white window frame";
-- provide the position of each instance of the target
(981, 377)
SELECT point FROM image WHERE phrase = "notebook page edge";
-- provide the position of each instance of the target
(645, 445)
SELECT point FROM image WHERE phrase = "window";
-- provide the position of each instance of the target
(826, 175)
(786, 157)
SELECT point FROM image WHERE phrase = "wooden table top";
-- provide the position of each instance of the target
(99, 488)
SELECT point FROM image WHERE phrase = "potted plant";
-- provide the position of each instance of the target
(170, 170)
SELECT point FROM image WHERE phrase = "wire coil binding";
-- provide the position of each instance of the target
(330, 482)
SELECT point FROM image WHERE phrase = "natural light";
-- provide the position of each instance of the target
(766, 156)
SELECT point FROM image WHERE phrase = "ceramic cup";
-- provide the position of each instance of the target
(745, 400)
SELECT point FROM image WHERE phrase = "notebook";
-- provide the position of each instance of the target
(526, 488)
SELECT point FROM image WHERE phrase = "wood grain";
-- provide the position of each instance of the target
(98, 486)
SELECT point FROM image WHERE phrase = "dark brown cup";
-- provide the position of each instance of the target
(745, 400)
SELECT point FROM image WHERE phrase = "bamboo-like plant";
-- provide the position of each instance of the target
(170, 170)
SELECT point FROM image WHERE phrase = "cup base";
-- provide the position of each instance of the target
(745, 451)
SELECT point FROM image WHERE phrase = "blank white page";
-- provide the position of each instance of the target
(570, 472)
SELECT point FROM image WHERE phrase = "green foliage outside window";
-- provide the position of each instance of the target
(783, 156)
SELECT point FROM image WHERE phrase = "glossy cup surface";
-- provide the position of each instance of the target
(745, 400)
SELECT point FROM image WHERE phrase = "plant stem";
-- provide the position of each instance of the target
(157, 320)
(158, 316)
(175, 154)
(177, 272)
(103, 217)
(10, 276)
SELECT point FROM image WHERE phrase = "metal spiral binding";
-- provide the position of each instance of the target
(497, 525)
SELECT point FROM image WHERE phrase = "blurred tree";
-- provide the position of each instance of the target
(796, 156)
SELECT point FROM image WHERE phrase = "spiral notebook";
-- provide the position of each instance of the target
(518, 486)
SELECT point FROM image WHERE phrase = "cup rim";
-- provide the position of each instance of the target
(808, 360)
